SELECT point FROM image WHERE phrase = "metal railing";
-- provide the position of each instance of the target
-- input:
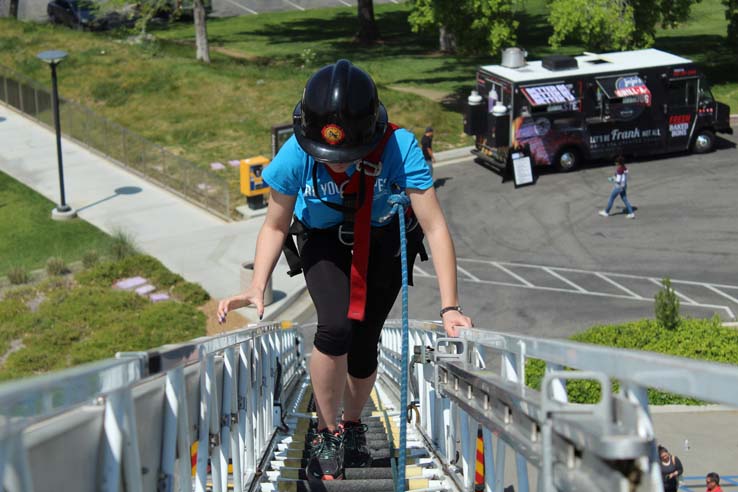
(135, 422)
(478, 381)
(130, 150)
(205, 414)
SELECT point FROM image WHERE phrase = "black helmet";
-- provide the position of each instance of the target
(340, 118)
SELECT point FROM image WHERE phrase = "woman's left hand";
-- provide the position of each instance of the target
(453, 321)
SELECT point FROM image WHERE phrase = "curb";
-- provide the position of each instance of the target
(733, 119)
(453, 156)
(662, 409)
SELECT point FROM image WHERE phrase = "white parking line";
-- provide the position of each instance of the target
(606, 276)
(564, 279)
(243, 7)
(621, 287)
(298, 7)
(419, 271)
(345, 3)
(512, 274)
(721, 293)
(472, 277)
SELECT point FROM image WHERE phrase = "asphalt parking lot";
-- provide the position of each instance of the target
(227, 8)
(36, 9)
(539, 260)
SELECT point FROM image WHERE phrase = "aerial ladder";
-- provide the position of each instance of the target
(232, 412)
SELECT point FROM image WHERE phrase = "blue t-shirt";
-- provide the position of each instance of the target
(291, 173)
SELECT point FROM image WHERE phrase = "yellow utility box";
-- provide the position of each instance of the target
(252, 183)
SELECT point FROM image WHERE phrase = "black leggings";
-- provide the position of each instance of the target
(327, 266)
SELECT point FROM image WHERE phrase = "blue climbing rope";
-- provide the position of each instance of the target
(399, 203)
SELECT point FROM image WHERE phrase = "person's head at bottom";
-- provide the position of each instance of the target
(712, 480)
(339, 119)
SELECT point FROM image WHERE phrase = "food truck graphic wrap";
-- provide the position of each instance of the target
(564, 110)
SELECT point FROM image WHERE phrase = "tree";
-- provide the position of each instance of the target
(614, 25)
(148, 9)
(600, 25)
(666, 306)
(492, 25)
(731, 14)
(368, 29)
(201, 32)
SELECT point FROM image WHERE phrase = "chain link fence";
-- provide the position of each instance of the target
(132, 151)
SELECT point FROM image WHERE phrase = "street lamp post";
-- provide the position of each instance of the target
(62, 211)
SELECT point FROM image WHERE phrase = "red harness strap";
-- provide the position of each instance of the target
(362, 225)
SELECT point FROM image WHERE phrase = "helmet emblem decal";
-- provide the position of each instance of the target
(333, 134)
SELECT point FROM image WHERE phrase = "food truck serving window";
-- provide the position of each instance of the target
(544, 95)
(625, 86)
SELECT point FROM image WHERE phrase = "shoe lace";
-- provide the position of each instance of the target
(354, 435)
(326, 444)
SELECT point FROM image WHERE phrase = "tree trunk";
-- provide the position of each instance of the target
(446, 40)
(201, 32)
(13, 12)
(368, 29)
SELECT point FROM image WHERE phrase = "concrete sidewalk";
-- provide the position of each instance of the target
(188, 240)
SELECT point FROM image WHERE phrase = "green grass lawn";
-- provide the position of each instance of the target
(225, 110)
(29, 235)
(65, 321)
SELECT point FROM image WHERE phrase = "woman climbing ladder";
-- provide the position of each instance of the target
(335, 175)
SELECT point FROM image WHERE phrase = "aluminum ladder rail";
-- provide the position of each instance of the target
(129, 423)
(477, 381)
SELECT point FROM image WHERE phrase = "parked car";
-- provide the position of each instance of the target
(72, 13)
(84, 14)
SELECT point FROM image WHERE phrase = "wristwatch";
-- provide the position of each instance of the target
(450, 308)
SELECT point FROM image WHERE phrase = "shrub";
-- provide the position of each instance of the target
(56, 266)
(122, 245)
(18, 276)
(86, 323)
(667, 306)
(105, 273)
(192, 294)
(704, 339)
(90, 258)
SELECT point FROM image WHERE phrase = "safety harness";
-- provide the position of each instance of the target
(357, 192)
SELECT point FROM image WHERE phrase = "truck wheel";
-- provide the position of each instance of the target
(703, 142)
(568, 159)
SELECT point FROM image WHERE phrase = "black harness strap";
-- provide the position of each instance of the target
(351, 203)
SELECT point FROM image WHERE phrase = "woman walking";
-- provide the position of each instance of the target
(620, 188)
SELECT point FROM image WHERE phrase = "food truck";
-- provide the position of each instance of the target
(564, 110)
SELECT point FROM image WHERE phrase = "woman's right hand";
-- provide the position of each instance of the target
(252, 296)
